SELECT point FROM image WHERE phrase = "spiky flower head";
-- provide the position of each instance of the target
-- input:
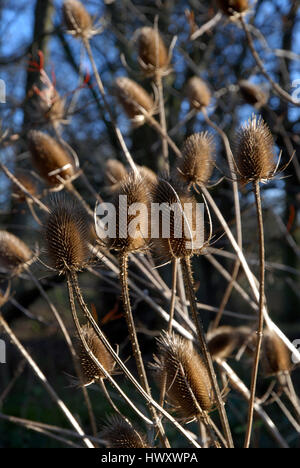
(255, 155)
(187, 382)
(78, 21)
(276, 357)
(14, 253)
(90, 371)
(179, 227)
(132, 208)
(68, 232)
(133, 97)
(28, 182)
(119, 433)
(49, 158)
(198, 93)
(253, 94)
(153, 54)
(197, 164)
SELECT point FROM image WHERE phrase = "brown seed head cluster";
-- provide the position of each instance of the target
(276, 355)
(188, 384)
(77, 19)
(13, 252)
(28, 182)
(255, 157)
(229, 7)
(132, 96)
(223, 341)
(179, 212)
(115, 172)
(253, 94)
(198, 93)
(120, 434)
(68, 232)
(153, 54)
(49, 158)
(90, 370)
(133, 235)
(196, 166)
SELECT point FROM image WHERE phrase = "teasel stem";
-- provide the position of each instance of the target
(189, 283)
(256, 188)
(237, 209)
(73, 285)
(163, 123)
(169, 330)
(44, 381)
(123, 259)
(74, 282)
(71, 349)
(119, 135)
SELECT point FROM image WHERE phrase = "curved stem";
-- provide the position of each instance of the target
(256, 188)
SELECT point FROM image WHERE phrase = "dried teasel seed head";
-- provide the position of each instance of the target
(223, 341)
(149, 176)
(90, 371)
(115, 172)
(28, 182)
(196, 166)
(119, 433)
(49, 158)
(14, 253)
(198, 93)
(276, 357)
(132, 96)
(132, 204)
(179, 225)
(153, 54)
(229, 7)
(253, 94)
(188, 384)
(68, 232)
(255, 156)
(77, 19)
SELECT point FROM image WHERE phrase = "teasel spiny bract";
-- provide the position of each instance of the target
(50, 159)
(197, 163)
(153, 55)
(187, 379)
(255, 153)
(14, 253)
(90, 371)
(118, 433)
(198, 93)
(68, 231)
(132, 96)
